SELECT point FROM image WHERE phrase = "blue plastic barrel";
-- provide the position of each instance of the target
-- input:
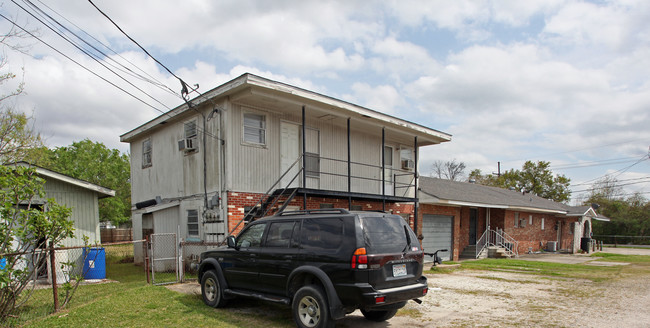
(94, 263)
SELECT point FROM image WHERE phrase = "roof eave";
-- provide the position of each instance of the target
(248, 79)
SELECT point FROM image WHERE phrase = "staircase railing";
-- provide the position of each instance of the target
(270, 198)
(482, 243)
(497, 238)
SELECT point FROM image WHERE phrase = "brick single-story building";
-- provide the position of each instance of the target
(467, 218)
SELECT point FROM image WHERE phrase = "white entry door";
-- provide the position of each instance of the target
(289, 152)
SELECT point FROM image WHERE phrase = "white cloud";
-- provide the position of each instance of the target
(510, 80)
(383, 98)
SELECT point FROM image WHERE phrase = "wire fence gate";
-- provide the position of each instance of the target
(164, 254)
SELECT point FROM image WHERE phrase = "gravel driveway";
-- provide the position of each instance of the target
(467, 298)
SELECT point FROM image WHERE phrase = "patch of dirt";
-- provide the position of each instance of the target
(503, 299)
(506, 299)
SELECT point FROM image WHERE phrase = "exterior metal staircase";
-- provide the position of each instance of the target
(274, 200)
(496, 243)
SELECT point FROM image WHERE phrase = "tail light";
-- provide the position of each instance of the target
(359, 259)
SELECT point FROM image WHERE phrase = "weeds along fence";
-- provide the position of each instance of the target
(63, 276)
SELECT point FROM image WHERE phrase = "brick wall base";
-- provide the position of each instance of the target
(238, 201)
(530, 237)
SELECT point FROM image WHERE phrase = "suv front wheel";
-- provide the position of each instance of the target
(211, 290)
(310, 308)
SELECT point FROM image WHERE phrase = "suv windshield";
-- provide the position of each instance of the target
(385, 234)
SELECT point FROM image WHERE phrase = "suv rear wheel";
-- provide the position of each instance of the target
(379, 316)
(310, 308)
(211, 290)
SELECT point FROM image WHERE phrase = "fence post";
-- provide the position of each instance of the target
(145, 247)
(55, 290)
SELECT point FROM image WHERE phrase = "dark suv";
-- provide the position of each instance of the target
(324, 263)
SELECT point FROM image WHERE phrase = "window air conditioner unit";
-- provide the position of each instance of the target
(408, 164)
(187, 145)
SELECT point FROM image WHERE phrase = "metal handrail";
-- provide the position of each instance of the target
(482, 242)
(498, 238)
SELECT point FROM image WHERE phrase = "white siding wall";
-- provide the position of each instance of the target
(256, 168)
(175, 173)
(85, 209)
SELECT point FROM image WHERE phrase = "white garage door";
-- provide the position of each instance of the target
(437, 232)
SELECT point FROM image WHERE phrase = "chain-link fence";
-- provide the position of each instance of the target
(164, 260)
(43, 281)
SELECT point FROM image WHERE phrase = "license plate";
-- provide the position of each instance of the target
(399, 270)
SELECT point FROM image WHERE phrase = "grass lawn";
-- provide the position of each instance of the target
(638, 265)
(130, 302)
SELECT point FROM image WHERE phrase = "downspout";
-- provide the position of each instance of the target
(205, 159)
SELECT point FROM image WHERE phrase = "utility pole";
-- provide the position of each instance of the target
(498, 173)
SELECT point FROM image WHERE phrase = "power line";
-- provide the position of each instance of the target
(94, 58)
(79, 48)
(614, 186)
(184, 86)
(184, 90)
(79, 64)
(594, 163)
(616, 181)
(148, 78)
(579, 149)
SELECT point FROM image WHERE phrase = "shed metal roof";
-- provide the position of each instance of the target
(102, 191)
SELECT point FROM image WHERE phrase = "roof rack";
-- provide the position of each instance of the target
(315, 211)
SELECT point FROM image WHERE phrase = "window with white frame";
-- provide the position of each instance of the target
(189, 144)
(406, 158)
(193, 223)
(190, 129)
(146, 153)
(516, 219)
(254, 128)
(542, 223)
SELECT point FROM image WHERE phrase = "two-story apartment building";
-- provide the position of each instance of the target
(253, 146)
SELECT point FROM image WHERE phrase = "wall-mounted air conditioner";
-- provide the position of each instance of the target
(408, 164)
(187, 145)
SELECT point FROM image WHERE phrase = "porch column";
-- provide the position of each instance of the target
(304, 162)
(417, 200)
(383, 169)
(349, 170)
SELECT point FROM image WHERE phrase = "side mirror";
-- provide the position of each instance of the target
(232, 243)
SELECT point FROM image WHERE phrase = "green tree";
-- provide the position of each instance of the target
(95, 163)
(17, 136)
(630, 216)
(536, 178)
(28, 223)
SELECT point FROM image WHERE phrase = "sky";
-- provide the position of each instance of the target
(550, 80)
